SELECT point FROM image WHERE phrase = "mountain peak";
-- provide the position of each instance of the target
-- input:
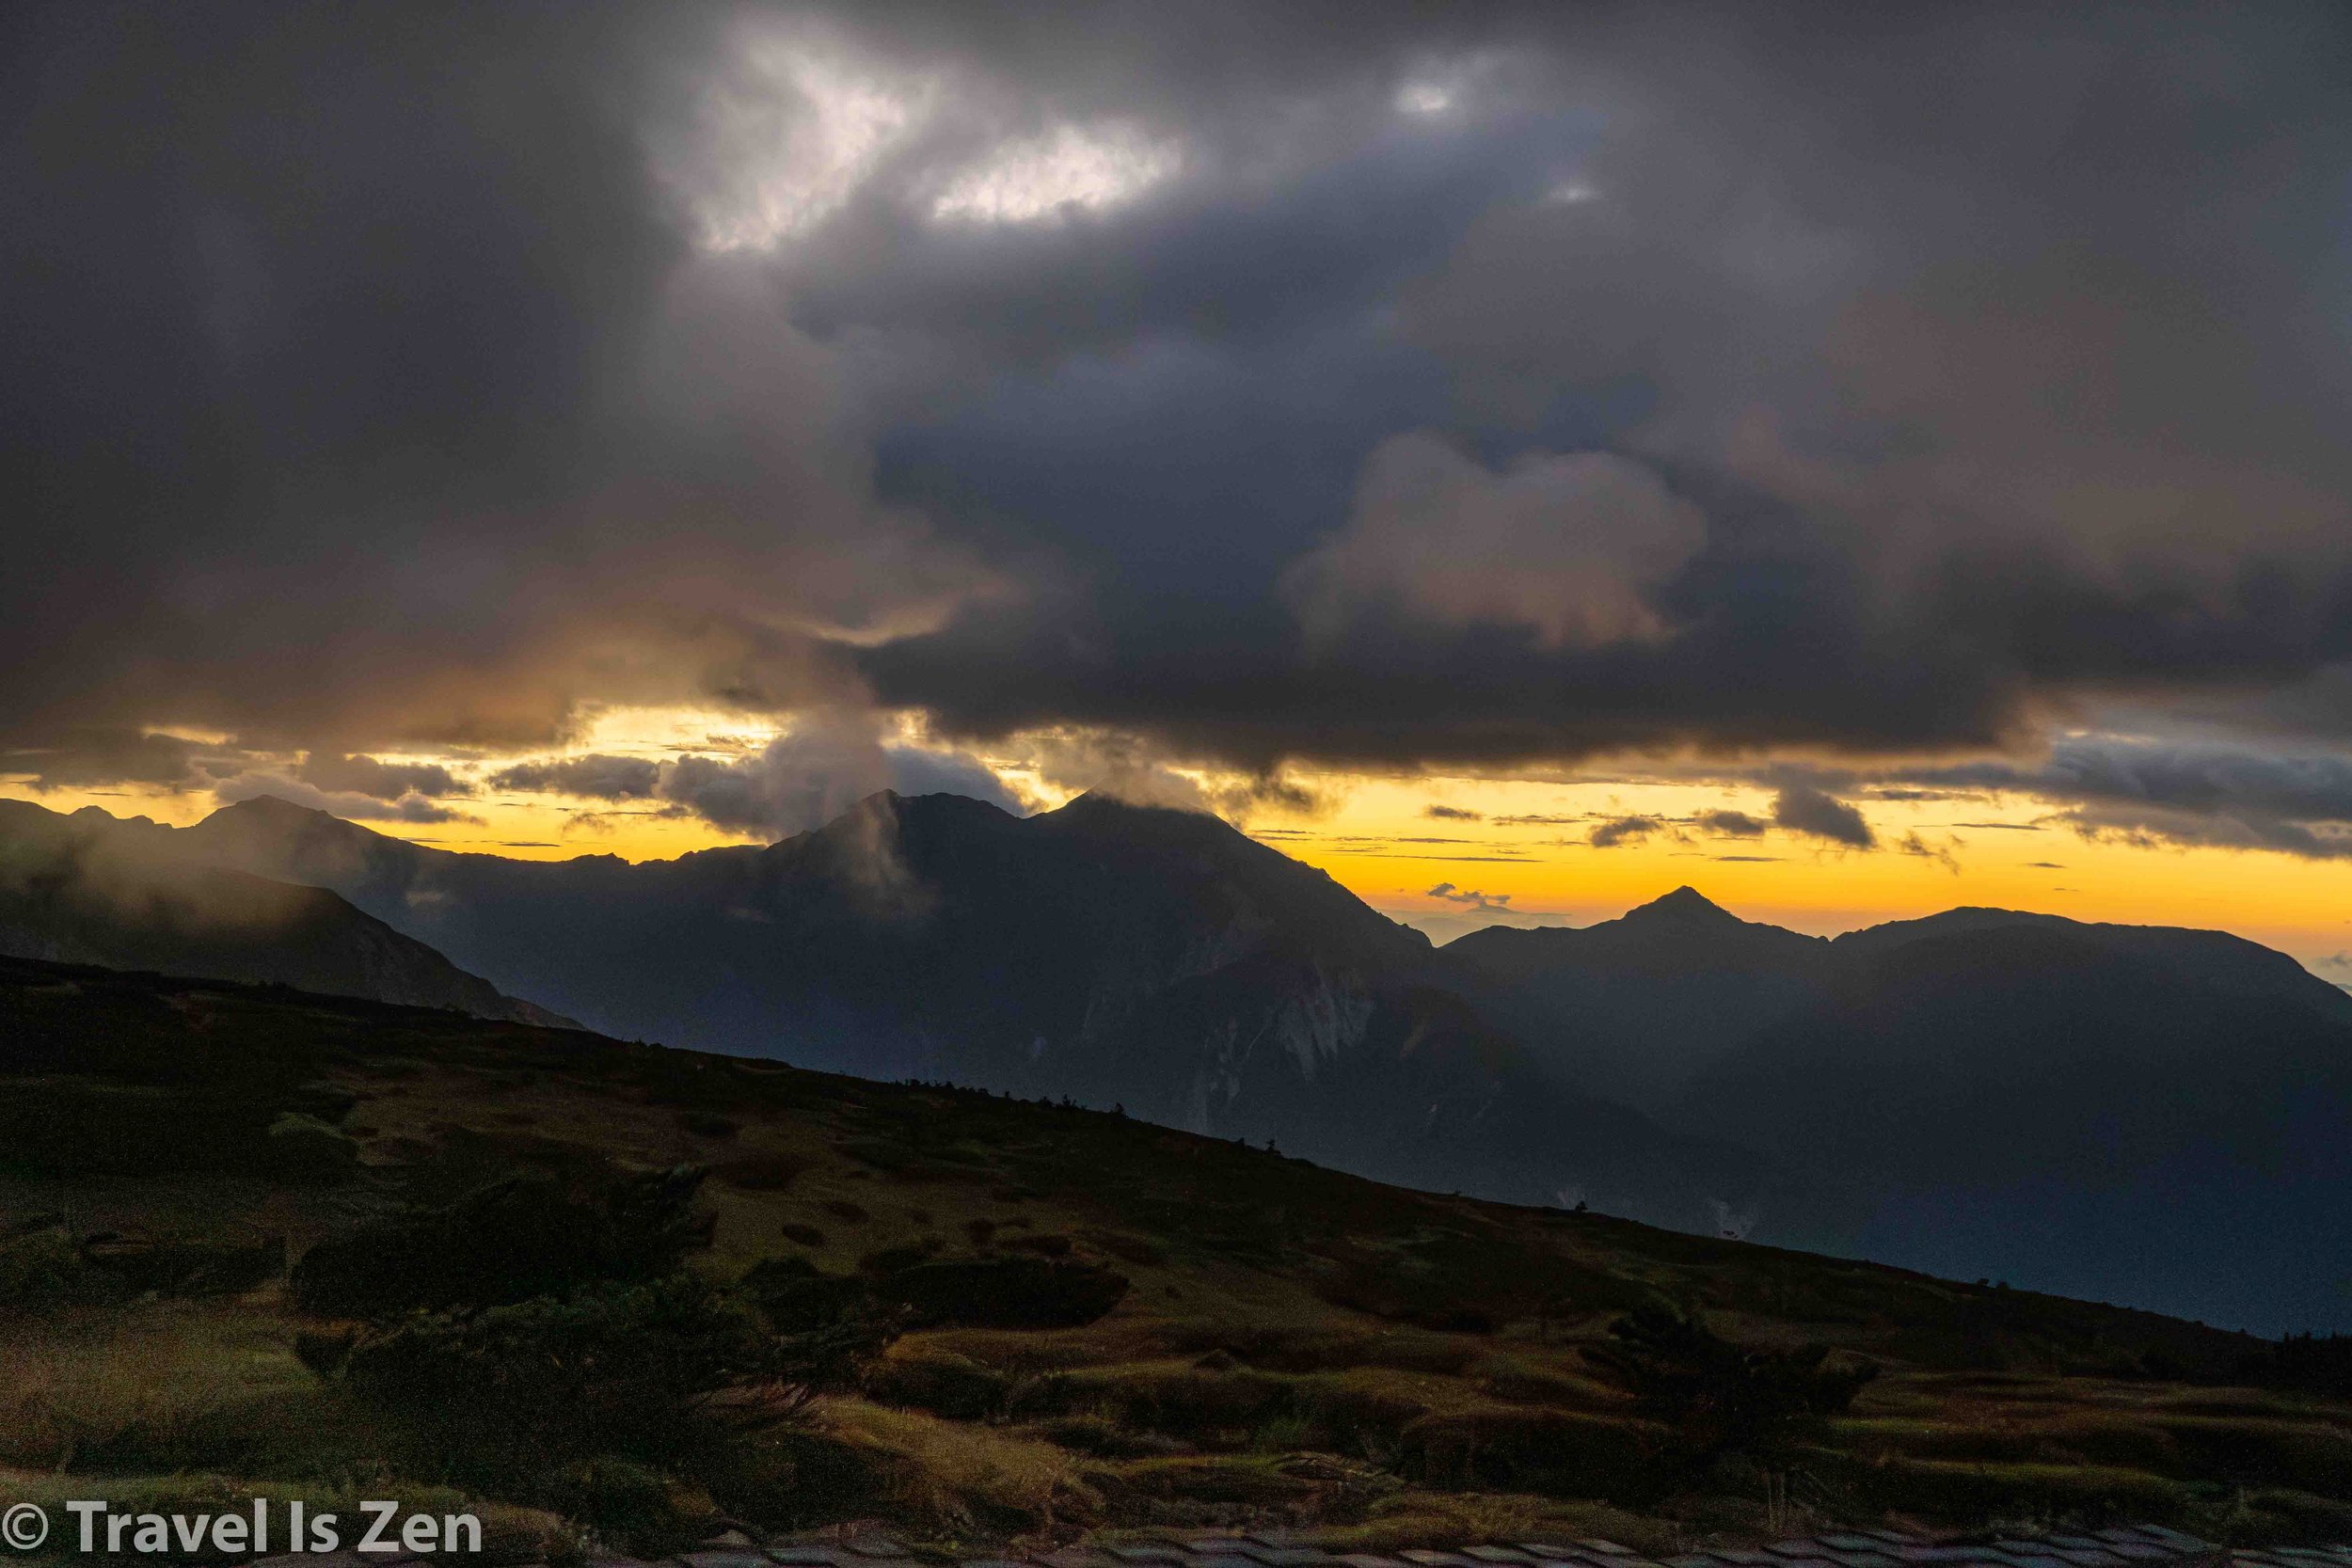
(1685, 905)
(271, 806)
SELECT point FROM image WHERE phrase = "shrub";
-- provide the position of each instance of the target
(1547, 1452)
(2306, 1363)
(955, 1386)
(613, 1370)
(521, 1237)
(304, 1148)
(1719, 1397)
(617, 1370)
(184, 1268)
(798, 1299)
(1017, 1291)
(44, 1269)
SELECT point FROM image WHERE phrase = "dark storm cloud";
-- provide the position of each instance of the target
(2228, 795)
(594, 777)
(387, 780)
(1802, 809)
(1624, 829)
(81, 757)
(1366, 384)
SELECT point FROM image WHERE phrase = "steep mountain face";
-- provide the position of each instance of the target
(1634, 1007)
(1118, 954)
(2140, 1113)
(2157, 1117)
(89, 889)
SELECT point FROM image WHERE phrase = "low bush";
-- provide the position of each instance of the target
(1015, 1292)
(50, 1268)
(185, 1268)
(799, 1299)
(955, 1386)
(302, 1148)
(571, 1401)
(2306, 1363)
(618, 1369)
(1546, 1453)
(1718, 1398)
(519, 1238)
(44, 1269)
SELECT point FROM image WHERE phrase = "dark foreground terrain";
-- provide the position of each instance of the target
(256, 1240)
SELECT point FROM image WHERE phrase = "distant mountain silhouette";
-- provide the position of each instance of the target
(2144, 1114)
(1118, 955)
(1633, 1008)
(2139, 1113)
(90, 888)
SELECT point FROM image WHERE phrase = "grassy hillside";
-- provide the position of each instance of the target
(612, 1288)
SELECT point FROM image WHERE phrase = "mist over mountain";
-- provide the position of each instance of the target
(2148, 1115)
(90, 888)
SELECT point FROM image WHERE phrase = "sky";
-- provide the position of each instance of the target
(1852, 459)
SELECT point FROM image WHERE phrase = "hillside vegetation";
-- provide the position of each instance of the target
(259, 1239)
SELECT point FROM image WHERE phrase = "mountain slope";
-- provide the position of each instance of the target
(2139, 1113)
(89, 889)
(1114, 954)
(2097, 1113)
(1279, 1345)
(1633, 1008)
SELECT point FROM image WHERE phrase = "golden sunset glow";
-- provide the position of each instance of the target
(1453, 853)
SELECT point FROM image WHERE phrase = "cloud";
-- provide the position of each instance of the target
(596, 777)
(365, 775)
(1624, 829)
(80, 757)
(1804, 810)
(1568, 548)
(1452, 813)
(1912, 843)
(1731, 824)
(345, 803)
(1470, 898)
(1486, 386)
(810, 776)
(2197, 792)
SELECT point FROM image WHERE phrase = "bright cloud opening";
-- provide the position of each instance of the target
(1089, 167)
(791, 135)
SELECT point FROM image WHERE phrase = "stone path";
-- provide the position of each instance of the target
(2129, 1548)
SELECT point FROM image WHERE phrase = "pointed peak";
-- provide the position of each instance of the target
(1685, 905)
(272, 814)
(267, 805)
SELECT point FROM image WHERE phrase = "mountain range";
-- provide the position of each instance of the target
(2157, 1115)
(89, 889)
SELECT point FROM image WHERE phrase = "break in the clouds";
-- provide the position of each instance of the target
(1359, 384)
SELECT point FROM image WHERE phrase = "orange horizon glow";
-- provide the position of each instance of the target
(1377, 836)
